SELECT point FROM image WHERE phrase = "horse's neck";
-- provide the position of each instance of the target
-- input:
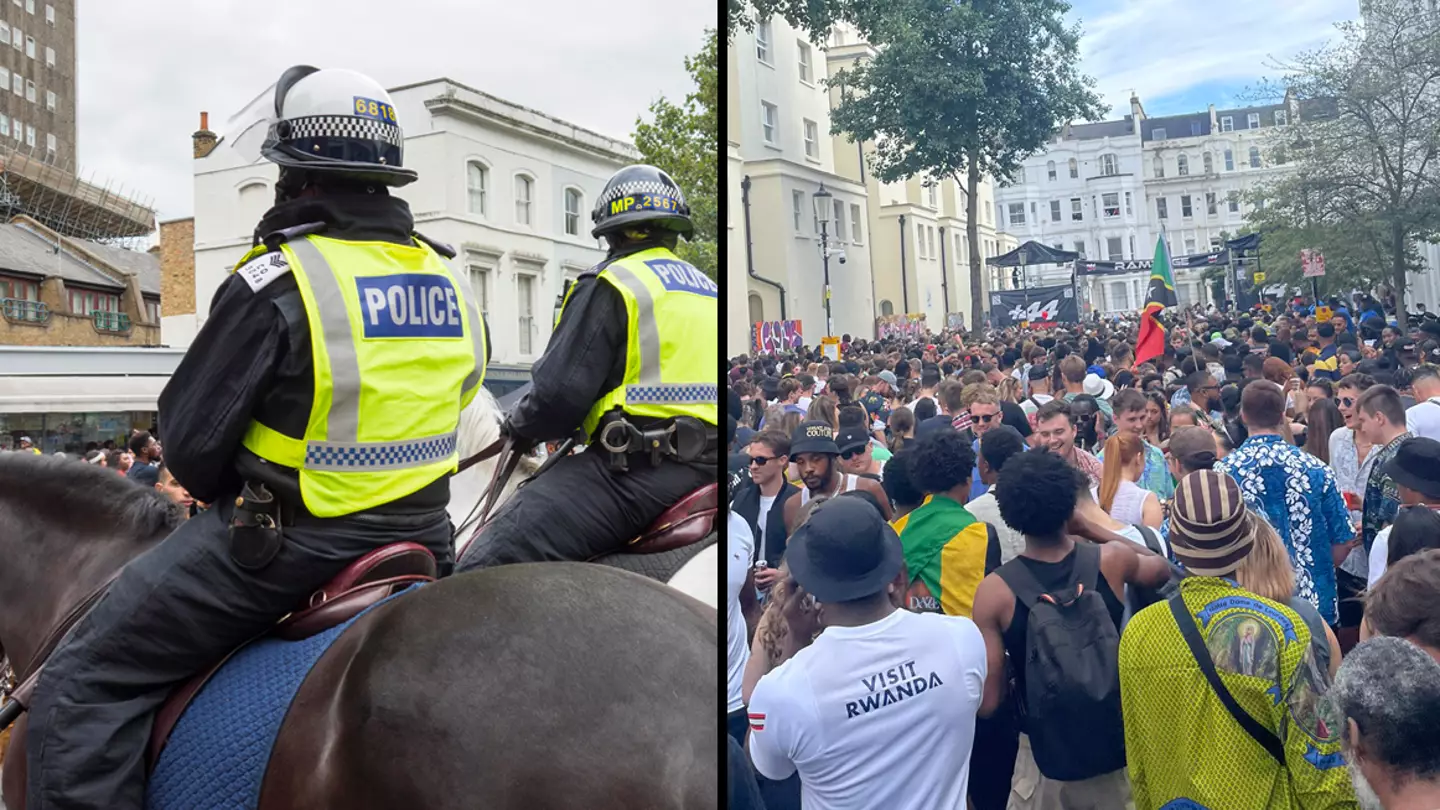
(34, 602)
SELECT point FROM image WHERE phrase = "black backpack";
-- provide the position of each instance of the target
(1071, 703)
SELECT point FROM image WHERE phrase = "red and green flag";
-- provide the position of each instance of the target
(1161, 295)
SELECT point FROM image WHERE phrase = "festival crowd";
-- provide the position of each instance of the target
(140, 460)
(1030, 572)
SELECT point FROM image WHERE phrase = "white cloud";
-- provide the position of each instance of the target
(1162, 47)
(148, 67)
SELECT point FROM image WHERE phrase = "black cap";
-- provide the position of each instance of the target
(813, 436)
(1417, 465)
(1039, 371)
(851, 437)
(845, 551)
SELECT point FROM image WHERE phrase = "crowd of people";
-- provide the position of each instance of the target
(141, 460)
(1032, 572)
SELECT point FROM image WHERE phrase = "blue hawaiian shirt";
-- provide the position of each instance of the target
(1297, 493)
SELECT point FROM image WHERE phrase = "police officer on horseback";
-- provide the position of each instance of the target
(631, 368)
(317, 409)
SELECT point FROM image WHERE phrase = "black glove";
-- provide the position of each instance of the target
(523, 444)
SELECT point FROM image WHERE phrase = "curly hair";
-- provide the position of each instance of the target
(943, 460)
(897, 483)
(1036, 493)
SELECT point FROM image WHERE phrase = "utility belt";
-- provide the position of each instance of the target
(682, 438)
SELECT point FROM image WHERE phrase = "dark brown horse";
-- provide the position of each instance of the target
(552, 685)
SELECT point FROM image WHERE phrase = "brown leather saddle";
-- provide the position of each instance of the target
(382, 572)
(689, 521)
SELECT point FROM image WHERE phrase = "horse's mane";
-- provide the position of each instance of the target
(83, 498)
(479, 423)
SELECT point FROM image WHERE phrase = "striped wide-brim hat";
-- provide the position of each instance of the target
(1209, 529)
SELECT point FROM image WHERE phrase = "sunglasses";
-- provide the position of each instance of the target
(852, 453)
(1347, 401)
(984, 418)
(761, 461)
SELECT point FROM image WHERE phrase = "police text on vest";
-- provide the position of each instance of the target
(410, 305)
(677, 276)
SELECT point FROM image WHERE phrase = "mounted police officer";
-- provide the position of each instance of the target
(631, 366)
(317, 409)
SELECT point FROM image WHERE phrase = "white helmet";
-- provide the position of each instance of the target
(336, 121)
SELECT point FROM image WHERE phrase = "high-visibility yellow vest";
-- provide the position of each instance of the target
(399, 351)
(674, 327)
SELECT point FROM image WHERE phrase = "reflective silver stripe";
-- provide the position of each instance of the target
(344, 419)
(672, 393)
(645, 317)
(366, 456)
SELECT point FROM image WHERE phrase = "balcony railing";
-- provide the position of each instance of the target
(23, 311)
(111, 321)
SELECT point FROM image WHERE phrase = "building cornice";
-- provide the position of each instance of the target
(528, 121)
(776, 167)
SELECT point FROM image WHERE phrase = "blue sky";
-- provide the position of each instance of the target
(1183, 55)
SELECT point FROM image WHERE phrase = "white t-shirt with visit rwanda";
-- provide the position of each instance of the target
(877, 716)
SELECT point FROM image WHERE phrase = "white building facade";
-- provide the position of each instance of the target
(1084, 193)
(781, 126)
(1199, 167)
(1108, 190)
(509, 188)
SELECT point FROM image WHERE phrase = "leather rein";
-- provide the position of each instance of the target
(490, 451)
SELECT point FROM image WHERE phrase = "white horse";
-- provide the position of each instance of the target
(480, 428)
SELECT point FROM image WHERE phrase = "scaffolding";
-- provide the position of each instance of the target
(56, 196)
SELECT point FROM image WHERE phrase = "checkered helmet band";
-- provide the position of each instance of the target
(349, 127)
(631, 188)
(638, 195)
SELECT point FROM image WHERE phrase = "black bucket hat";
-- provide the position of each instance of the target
(844, 551)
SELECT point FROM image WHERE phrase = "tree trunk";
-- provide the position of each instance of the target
(972, 232)
(1397, 268)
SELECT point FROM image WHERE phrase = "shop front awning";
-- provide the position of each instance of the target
(59, 394)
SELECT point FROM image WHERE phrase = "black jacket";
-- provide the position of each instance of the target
(252, 359)
(746, 504)
(584, 360)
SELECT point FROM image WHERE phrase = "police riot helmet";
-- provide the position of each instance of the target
(336, 121)
(641, 195)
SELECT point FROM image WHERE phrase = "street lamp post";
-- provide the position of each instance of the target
(822, 216)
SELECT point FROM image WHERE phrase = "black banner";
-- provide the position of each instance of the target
(1046, 306)
(1088, 268)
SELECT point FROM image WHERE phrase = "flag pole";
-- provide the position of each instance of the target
(1169, 257)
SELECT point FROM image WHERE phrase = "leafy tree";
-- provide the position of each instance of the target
(684, 140)
(957, 90)
(1298, 214)
(960, 88)
(1367, 143)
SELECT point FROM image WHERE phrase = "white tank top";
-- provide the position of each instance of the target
(1129, 502)
(847, 483)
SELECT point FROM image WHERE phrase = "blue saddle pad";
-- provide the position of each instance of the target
(215, 758)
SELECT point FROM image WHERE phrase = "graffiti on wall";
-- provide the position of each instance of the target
(769, 337)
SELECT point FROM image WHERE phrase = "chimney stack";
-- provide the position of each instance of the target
(203, 139)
